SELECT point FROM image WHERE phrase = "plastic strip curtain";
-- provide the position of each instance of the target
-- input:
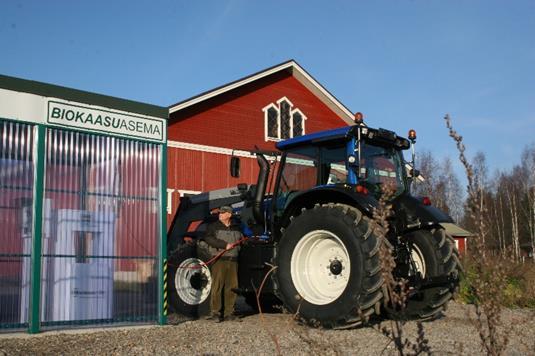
(16, 197)
(100, 257)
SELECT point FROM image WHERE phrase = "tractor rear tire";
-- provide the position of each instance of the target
(328, 266)
(435, 255)
(189, 282)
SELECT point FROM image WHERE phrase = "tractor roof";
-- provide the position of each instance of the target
(339, 133)
(378, 136)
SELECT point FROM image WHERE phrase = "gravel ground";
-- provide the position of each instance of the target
(453, 334)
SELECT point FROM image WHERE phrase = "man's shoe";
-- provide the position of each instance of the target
(212, 317)
(232, 317)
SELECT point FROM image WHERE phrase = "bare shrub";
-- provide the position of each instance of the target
(394, 290)
(489, 277)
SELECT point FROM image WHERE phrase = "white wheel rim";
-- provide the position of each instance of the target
(187, 283)
(320, 267)
(418, 259)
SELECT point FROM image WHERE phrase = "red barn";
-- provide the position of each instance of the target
(275, 104)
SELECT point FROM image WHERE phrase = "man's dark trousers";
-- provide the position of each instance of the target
(224, 279)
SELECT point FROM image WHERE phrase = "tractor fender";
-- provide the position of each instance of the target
(413, 208)
(328, 194)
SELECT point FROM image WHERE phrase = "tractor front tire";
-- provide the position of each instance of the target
(189, 282)
(328, 268)
(434, 255)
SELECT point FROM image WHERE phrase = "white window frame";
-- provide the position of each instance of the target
(277, 108)
(303, 120)
(266, 120)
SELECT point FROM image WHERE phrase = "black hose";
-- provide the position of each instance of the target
(260, 188)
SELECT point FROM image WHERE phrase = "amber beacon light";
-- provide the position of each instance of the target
(359, 118)
(412, 135)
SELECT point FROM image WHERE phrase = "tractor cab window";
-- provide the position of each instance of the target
(300, 170)
(332, 165)
(380, 167)
(300, 173)
(308, 167)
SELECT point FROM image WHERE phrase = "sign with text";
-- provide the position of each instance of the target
(106, 121)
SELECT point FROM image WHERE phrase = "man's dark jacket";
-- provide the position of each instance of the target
(218, 236)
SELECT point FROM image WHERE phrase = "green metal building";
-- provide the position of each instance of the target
(82, 215)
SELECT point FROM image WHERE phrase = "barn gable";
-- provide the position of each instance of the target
(220, 117)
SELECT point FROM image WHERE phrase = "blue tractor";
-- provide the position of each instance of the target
(315, 225)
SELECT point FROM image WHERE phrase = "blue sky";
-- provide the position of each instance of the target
(404, 64)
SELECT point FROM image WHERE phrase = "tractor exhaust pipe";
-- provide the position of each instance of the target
(261, 185)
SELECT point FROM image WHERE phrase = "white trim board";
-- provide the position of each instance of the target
(215, 149)
(22, 106)
(209, 149)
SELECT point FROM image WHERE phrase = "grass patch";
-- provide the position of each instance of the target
(519, 291)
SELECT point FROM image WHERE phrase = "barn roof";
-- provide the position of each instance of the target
(291, 67)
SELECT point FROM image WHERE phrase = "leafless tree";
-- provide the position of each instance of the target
(513, 194)
(480, 180)
(497, 212)
(452, 190)
(440, 184)
(528, 179)
(428, 167)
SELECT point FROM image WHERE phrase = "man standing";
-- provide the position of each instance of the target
(222, 235)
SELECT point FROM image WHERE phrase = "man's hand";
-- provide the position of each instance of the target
(188, 240)
(229, 247)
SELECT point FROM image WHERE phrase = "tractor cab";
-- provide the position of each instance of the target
(349, 156)
(347, 164)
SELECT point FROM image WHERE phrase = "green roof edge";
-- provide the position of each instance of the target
(56, 91)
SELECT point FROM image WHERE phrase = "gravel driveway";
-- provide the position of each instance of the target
(453, 334)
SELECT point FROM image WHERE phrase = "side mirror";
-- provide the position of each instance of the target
(234, 166)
